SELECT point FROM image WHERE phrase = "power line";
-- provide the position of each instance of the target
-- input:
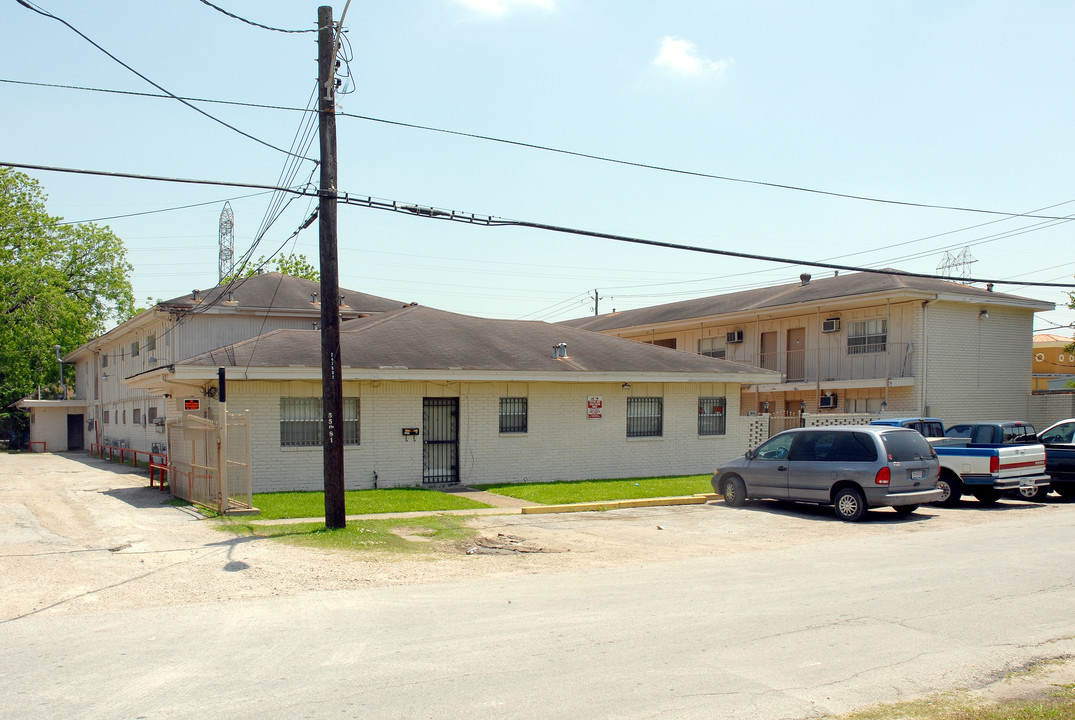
(251, 22)
(155, 178)
(26, 4)
(492, 221)
(162, 210)
(572, 153)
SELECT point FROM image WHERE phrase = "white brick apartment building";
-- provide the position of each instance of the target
(855, 342)
(433, 397)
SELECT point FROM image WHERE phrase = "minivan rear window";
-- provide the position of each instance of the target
(906, 446)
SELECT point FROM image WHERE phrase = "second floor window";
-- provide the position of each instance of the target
(134, 349)
(867, 336)
(712, 347)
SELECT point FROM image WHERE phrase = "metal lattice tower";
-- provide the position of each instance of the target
(227, 242)
(962, 261)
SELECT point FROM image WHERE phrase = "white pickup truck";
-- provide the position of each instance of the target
(982, 470)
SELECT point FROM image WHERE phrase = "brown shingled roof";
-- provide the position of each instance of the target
(816, 290)
(280, 292)
(420, 338)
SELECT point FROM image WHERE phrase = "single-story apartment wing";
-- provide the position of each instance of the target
(433, 397)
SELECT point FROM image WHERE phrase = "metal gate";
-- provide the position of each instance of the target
(74, 432)
(440, 440)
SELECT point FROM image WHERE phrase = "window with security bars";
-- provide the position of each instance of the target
(711, 416)
(645, 416)
(867, 336)
(513, 415)
(301, 422)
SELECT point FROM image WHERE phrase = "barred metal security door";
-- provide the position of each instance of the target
(440, 440)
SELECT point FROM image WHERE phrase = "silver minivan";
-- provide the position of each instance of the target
(852, 468)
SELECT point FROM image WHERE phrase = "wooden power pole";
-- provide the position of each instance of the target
(331, 366)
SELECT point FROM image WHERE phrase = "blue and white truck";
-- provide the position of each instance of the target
(984, 470)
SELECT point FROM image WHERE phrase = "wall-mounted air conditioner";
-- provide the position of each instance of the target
(735, 336)
(830, 325)
(827, 401)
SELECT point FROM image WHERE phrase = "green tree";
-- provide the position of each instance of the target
(295, 265)
(60, 284)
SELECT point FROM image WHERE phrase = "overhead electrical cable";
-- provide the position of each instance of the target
(44, 13)
(163, 210)
(589, 156)
(251, 22)
(433, 213)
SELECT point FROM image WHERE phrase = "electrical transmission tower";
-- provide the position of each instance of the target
(227, 242)
(956, 265)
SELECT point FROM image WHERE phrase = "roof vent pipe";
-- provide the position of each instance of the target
(313, 297)
(194, 295)
(559, 350)
(805, 277)
(231, 296)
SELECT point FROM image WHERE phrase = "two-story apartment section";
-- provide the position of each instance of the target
(857, 343)
(180, 328)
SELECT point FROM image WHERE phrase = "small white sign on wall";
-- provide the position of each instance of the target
(593, 407)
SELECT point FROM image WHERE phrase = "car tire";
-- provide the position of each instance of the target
(735, 492)
(904, 509)
(987, 496)
(1032, 494)
(849, 504)
(952, 489)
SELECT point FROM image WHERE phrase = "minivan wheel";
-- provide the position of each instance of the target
(904, 509)
(849, 504)
(735, 492)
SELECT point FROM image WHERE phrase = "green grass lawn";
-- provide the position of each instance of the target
(362, 535)
(276, 506)
(577, 491)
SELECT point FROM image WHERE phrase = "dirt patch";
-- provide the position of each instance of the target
(412, 533)
(504, 544)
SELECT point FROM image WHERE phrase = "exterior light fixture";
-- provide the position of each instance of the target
(765, 406)
(626, 386)
(884, 405)
(983, 314)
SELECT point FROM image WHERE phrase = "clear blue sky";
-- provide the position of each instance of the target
(958, 103)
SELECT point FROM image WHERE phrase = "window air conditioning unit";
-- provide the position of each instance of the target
(827, 401)
(735, 336)
(830, 325)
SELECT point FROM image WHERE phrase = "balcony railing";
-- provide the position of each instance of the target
(893, 361)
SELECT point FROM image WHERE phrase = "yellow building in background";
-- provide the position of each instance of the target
(1053, 366)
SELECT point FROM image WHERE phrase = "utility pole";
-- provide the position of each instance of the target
(596, 301)
(331, 366)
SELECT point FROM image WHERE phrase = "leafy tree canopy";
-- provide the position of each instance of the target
(60, 284)
(295, 265)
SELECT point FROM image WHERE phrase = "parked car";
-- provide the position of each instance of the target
(986, 470)
(1059, 442)
(852, 468)
(1011, 432)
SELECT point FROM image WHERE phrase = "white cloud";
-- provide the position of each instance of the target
(682, 57)
(503, 7)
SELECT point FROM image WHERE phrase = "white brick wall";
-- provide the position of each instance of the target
(561, 442)
(974, 370)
